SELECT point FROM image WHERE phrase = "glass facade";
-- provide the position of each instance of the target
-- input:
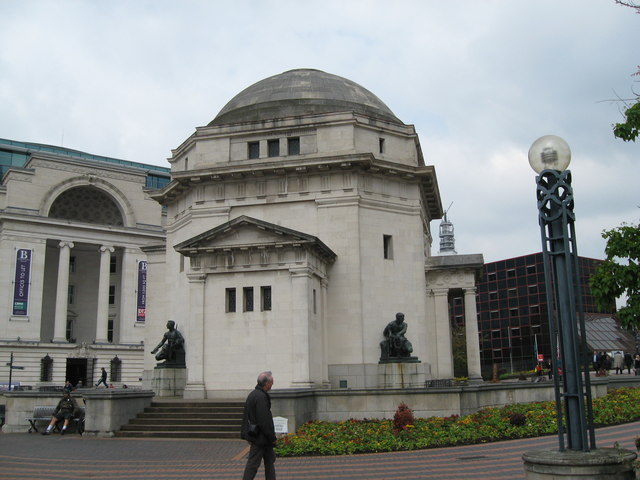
(512, 311)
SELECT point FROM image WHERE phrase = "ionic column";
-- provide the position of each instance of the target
(62, 293)
(102, 313)
(195, 337)
(443, 335)
(471, 332)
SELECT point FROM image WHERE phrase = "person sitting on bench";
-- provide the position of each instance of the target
(64, 411)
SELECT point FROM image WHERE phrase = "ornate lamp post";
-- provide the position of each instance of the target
(549, 156)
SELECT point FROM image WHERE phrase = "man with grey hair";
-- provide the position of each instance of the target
(258, 429)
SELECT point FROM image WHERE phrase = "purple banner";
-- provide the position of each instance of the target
(21, 282)
(142, 292)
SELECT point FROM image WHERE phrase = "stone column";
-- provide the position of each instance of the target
(324, 285)
(62, 293)
(471, 332)
(444, 365)
(128, 285)
(195, 338)
(102, 312)
(300, 328)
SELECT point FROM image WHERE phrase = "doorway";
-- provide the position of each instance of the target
(80, 371)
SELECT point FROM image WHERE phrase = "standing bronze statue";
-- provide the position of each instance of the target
(395, 345)
(171, 347)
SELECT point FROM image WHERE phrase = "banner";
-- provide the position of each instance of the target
(21, 282)
(142, 292)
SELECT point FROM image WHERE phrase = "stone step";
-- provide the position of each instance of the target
(185, 422)
(176, 428)
(186, 416)
(176, 434)
(187, 419)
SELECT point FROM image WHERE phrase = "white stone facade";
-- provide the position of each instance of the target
(84, 223)
(336, 228)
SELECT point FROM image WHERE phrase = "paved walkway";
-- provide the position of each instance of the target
(55, 457)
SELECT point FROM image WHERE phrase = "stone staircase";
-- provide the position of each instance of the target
(186, 419)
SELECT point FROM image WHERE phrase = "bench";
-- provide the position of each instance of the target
(44, 414)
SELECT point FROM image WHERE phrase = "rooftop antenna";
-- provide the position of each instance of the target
(447, 240)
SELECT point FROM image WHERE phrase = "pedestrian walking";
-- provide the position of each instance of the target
(258, 429)
(103, 378)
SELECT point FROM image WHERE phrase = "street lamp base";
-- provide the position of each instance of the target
(601, 463)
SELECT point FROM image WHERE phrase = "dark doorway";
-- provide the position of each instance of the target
(80, 371)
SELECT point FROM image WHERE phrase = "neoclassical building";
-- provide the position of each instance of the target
(298, 224)
(286, 234)
(72, 272)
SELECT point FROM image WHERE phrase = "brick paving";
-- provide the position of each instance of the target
(56, 457)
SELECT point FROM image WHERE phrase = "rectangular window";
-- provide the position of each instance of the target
(72, 294)
(293, 146)
(274, 148)
(230, 300)
(247, 299)
(253, 150)
(69, 331)
(491, 277)
(512, 292)
(265, 298)
(112, 264)
(110, 330)
(72, 264)
(112, 294)
(387, 245)
(531, 269)
(534, 309)
(511, 273)
(513, 312)
(381, 145)
(533, 289)
(493, 295)
(315, 302)
(181, 263)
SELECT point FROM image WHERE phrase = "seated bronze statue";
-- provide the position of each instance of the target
(171, 347)
(395, 344)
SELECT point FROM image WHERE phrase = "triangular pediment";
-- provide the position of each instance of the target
(249, 233)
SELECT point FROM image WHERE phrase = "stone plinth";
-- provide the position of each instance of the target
(169, 382)
(401, 375)
(601, 463)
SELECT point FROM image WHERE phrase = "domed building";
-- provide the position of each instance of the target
(297, 226)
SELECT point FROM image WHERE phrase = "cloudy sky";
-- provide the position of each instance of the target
(480, 80)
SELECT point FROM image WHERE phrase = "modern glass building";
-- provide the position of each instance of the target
(512, 313)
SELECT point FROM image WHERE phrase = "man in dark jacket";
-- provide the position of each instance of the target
(65, 410)
(258, 429)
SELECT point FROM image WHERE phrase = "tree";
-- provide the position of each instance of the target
(619, 274)
(629, 129)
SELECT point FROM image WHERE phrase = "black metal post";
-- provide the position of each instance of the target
(573, 401)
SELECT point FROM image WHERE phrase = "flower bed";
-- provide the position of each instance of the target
(487, 425)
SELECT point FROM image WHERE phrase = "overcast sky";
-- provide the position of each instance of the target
(480, 80)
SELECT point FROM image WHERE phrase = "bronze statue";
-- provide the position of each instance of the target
(395, 345)
(172, 347)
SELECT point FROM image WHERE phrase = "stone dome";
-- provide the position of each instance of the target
(301, 92)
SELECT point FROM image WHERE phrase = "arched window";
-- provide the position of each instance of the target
(86, 204)
(116, 369)
(46, 368)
